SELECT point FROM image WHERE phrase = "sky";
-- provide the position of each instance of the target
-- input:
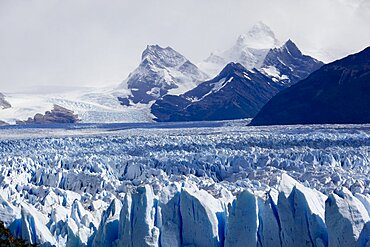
(78, 43)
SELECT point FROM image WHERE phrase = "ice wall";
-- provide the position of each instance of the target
(181, 214)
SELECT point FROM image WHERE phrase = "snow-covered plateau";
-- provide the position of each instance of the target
(186, 184)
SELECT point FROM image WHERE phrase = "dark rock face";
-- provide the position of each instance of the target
(290, 61)
(160, 70)
(124, 101)
(2, 123)
(3, 103)
(235, 93)
(336, 93)
(57, 115)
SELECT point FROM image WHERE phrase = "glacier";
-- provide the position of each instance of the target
(92, 105)
(186, 184)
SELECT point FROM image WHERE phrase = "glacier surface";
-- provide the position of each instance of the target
(186, 184)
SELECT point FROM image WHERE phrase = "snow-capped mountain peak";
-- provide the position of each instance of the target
(164, 57)
(231, 68)
(162, 70)
(288, 65)
(260, 36)
(250, 50)
(292, 48)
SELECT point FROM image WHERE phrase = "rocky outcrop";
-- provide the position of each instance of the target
(57, 115)
(3, 103)
(2, 123)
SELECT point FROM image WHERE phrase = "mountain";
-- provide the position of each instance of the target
(162, 70)
(338, 92)
(288, 65)
(260, 49)
(235, 93)
(238, 92)
(3, 103)
(249, 50)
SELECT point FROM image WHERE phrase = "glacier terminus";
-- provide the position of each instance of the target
(186, 184)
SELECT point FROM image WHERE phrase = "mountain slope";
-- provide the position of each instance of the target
(337, 93)
(260, 49)
(250, 50)
(161, 70)
(4, 104)
(235, 93)
(288, 65)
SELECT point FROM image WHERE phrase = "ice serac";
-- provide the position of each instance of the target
(190, 175)
(125, 228)
(161, 70)
(7, 211)
(202, 217)
(346, 219)
(33, 227)
(301, 213)
(268, 221)
(137, 219)
(365, 200)
(242, 221)
(81, 225)
(171, 222)
(108, 228)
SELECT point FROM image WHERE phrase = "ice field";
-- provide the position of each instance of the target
(186, 184)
